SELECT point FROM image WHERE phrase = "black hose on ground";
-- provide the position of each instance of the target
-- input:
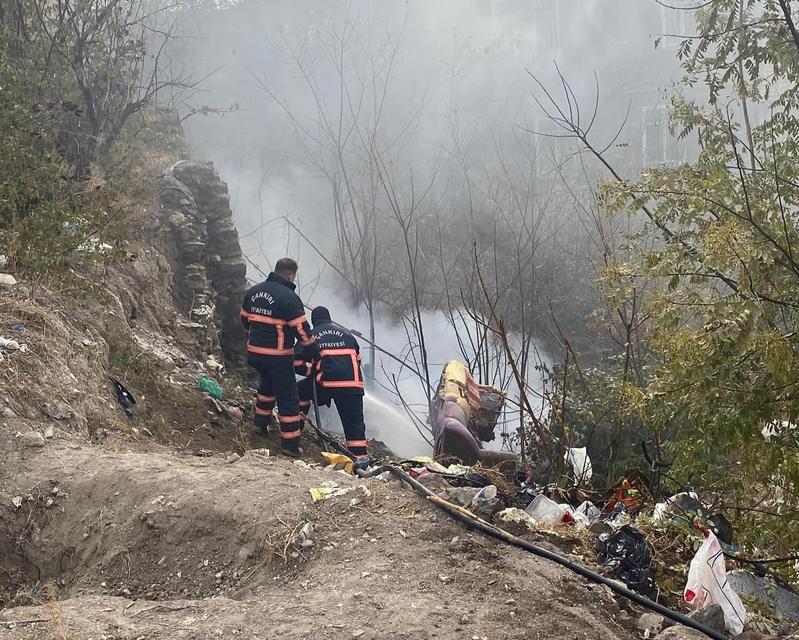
(499, 534)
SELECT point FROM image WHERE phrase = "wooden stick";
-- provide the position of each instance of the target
(14, 623)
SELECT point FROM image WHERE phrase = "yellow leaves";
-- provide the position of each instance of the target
(725, 243)
(777, 355)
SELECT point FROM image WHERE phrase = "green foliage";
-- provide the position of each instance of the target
(42, 220)
(724, 318)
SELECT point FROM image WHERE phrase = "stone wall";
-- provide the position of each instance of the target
(209, 269)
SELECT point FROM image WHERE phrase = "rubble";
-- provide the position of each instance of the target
(712, 617)
(650, 624)
(32, 440)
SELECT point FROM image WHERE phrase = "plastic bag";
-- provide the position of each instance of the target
(211, 387)
(485, 502)
(707, 584)
(580, 464)
(590, 511)
(628, 554)
(543, 510)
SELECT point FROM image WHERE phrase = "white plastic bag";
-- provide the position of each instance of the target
(590, 511)
(580, 464)
(707, 584)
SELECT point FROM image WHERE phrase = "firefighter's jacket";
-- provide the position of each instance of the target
(274, 319)
(337, 367)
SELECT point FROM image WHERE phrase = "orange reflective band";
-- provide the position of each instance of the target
(305, 403)
(299, 363)
(342, 384)
(298, 321)
(265, 398)
(357, 443)
(243, 313)
(291, 419)
(262, 412)
(266, 351)
(290, 435)
(338, 352)
(256, 317)
(307, 343)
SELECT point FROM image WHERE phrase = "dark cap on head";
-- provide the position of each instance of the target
(320, 315)
(286, 267)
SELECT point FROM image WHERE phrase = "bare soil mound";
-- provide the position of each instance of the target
(137, 545)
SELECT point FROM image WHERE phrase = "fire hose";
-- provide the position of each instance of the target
(469, 519)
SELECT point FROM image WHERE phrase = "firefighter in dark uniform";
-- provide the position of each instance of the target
(274, 319)
(336, 371)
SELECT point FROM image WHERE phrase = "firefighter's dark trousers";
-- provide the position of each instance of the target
(350, 409)
(278, 385)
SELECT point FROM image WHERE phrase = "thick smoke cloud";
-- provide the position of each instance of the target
(459, 98)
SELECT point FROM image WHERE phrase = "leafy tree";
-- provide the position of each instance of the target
(724, 317)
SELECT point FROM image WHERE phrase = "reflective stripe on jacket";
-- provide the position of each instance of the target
(274, 319)
(337, 367)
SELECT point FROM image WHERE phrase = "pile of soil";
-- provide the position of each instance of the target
(162, 545)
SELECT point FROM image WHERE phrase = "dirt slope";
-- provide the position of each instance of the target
(164, 546)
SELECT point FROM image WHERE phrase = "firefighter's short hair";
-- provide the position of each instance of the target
(286, 267)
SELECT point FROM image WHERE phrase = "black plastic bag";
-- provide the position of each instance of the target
(627, 553)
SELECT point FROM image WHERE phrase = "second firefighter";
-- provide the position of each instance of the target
(336, 371)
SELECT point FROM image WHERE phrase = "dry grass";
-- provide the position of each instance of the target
(279, 544)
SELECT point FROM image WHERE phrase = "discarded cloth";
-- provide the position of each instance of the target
(339, 461)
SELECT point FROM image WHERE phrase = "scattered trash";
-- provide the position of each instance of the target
(629, 491)
(783, 602)
(213, 364)
(303, 539)
(16, 501)
(7, 345)
(7, 280)
(462, 496)
(619, 517)
(485, 502)
(686, 508)
(546, 511)
(32, 440)
(329, 489)
(339, 461)
(707, 584)
(18, 328)
(262, 453)
(580, 464)
(3, 260)
(233, 412)
(627, 553)
(210, 386)
(680, 504)
(233, 457)
(519, 516)
(124, 397)
(589, 510)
